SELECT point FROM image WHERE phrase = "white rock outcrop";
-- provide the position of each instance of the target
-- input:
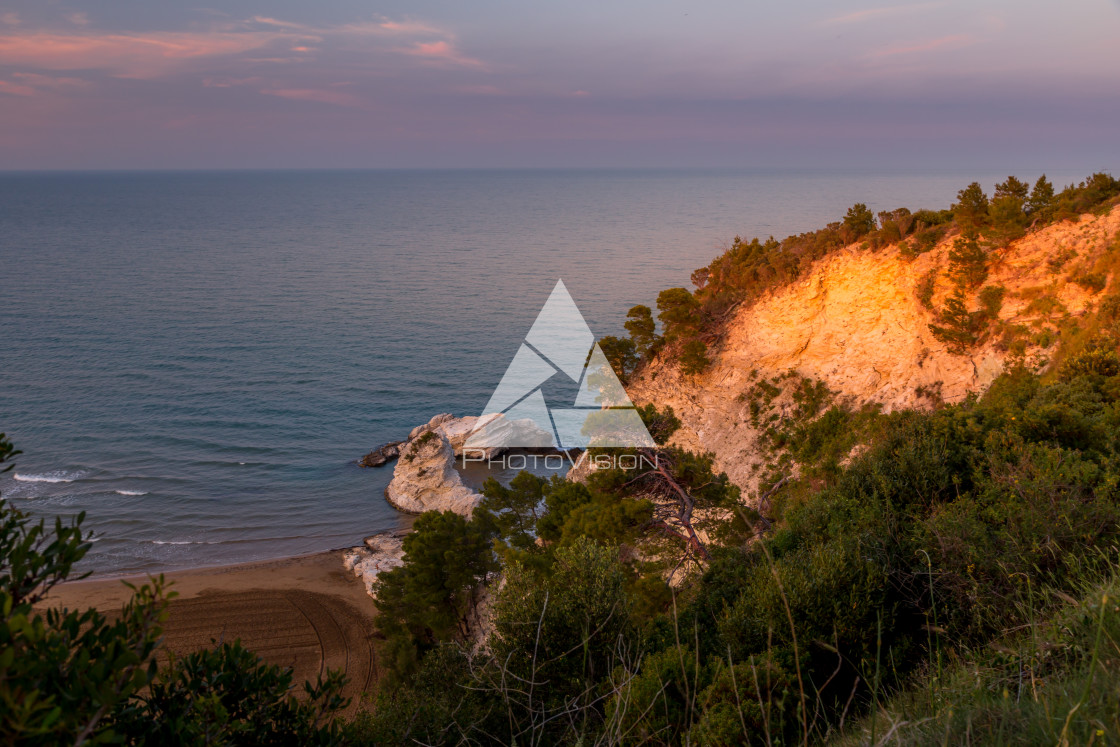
(379, 553)
(424, 478)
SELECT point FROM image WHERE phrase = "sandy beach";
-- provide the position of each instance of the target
(306, 612)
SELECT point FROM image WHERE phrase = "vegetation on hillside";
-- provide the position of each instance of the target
(693, 321)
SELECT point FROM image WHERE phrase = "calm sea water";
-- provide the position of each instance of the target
(197, 359)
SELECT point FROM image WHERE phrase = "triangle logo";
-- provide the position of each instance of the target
(559, 343)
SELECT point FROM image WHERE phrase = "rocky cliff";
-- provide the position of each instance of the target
(859, 323)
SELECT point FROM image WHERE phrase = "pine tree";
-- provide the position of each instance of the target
(859, 221)
(643, 331)
(968, 262)
(1041, 201)
(958, 326)
(679, 312)
(971, 210)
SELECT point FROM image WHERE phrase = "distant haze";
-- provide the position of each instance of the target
(340, 83)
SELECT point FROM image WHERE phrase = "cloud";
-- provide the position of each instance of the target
(410, 28)
(78, 19)
(124, 55)
(157, 53)
(442, 53)
(952, 41)
(15, 89)
(10, 18)
(337, 98)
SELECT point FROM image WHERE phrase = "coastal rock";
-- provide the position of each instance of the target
(382, 454)
(425, 479)
(379, 553)
(457, 430)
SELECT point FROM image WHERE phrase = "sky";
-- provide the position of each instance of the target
(980, 84)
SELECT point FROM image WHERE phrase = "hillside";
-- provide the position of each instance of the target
(857, 322)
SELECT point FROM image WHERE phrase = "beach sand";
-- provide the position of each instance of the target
(305, 612)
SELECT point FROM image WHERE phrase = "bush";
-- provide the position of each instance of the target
(229, 696)
(991, 300)
(64, 672)
(694, 358)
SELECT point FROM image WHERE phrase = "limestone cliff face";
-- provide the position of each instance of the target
(856, 323)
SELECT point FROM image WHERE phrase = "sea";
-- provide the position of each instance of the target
(196, 360)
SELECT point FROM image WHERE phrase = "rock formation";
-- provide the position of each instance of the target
(381, 552)
(425, 479)
(382, 454)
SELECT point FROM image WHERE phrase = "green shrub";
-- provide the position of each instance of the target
(991, 300)
(228, 695)
(694, 357)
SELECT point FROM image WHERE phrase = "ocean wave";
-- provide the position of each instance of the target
(183, 542)
(57, 476)
(131, 492)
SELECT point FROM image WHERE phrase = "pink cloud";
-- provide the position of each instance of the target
(410, 27)
(130, 56)
(15, 89)
(443, 53)
(952, 41)
(336, 98)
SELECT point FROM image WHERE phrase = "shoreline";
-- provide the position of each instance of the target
(98, 576)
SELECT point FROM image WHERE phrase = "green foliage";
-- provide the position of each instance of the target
(641, 328)
(968, 263)
(658, 702)
(991, 300)
(564, 629)
(621, 353)
(679, 312)
(661, 424)
(512, 511)
(694, 358)
(1094, 282)
(959, 327)
(925, 289)
(1008, 211)
(859, 221)
(1096, 360)
(434, 707)
(1041, 200)
(228, 696)
(446, 562)
(971, 208)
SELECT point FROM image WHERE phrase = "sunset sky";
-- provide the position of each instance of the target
(341, 83)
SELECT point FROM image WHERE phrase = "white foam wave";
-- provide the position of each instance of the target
(48, 477)
(131, 492)
(182, 542)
